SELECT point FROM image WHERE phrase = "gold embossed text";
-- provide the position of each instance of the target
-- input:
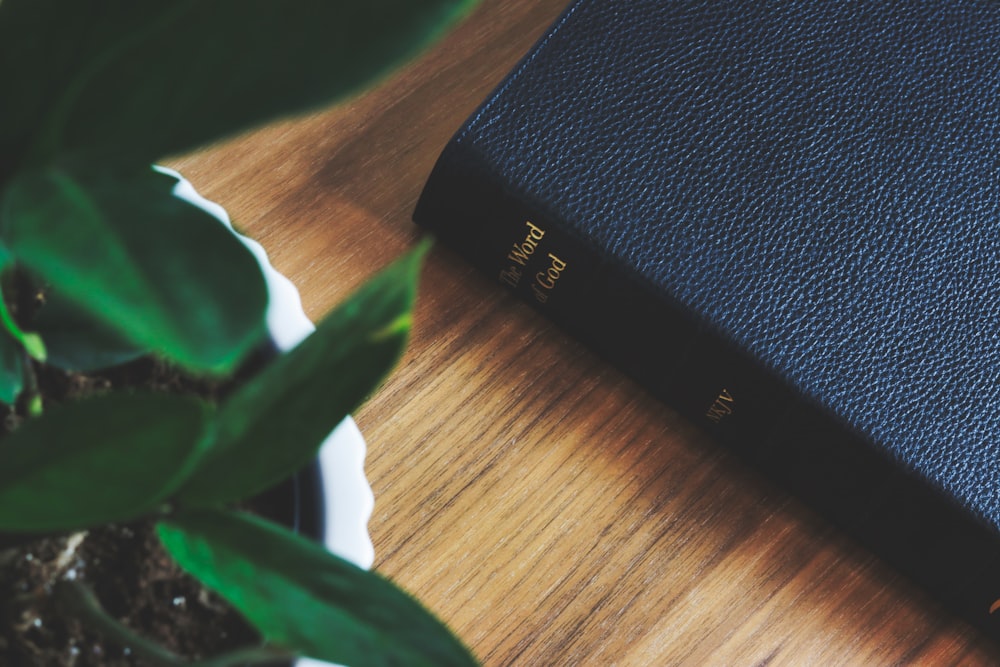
(722, 407)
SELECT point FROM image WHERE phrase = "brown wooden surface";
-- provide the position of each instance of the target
(538, 501)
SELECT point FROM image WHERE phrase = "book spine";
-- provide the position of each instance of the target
(897, 515)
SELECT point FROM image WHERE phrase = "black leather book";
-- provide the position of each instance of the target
(783, 218)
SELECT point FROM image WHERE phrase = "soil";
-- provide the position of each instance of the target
(135, 581)
(125, 565)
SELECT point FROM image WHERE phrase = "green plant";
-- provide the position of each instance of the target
(94, 92)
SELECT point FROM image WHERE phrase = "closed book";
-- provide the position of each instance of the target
(783, 218)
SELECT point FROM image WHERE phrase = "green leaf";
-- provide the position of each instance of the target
(76, 340)
(274, 425)
(163, 273)
(151, 78)
(110, 458)
(29, 342)
(11, 369)
(305, 599)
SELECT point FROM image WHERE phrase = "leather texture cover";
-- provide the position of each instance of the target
(813, 187)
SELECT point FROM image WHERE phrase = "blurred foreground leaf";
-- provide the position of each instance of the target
(104, 459)
(161, 272)
(147, 78)
(302, 598)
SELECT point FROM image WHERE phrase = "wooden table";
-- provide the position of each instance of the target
(537, 500)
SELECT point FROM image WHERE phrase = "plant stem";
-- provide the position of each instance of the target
(254, 655)
(31, 342)
(34, 401)
(80, 600)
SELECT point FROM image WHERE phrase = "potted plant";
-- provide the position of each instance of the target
(103, 265)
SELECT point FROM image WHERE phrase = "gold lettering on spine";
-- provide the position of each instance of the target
(511, 276)
(520, 253)
(545, 281)
(722, 407)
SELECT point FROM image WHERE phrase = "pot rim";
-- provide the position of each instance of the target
(346, 496)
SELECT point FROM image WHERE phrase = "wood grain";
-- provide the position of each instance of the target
(538, 501)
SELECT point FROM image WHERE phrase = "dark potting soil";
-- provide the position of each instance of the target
(125, 565)
(135, 581)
